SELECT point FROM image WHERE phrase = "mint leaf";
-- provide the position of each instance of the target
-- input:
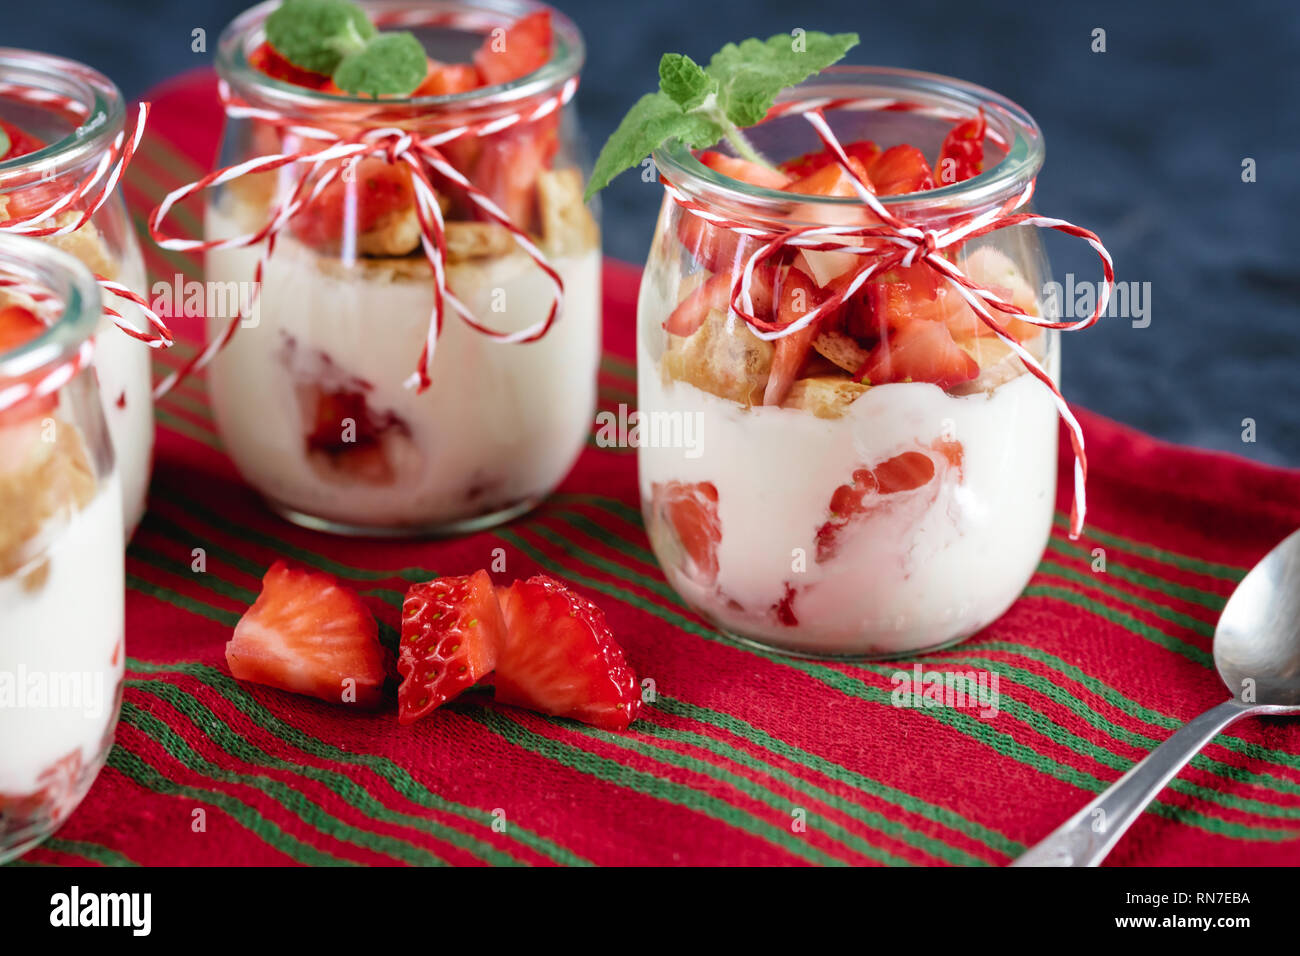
(654, 119)
(5, 143)
(391, 64)
(751, 74)
(683, 80)
(317, 34)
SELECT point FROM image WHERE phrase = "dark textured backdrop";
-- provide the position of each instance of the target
(1145, 146)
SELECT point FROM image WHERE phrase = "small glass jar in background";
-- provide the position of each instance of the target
(62, 576)
(65, 116)
(816, 512)
(311, 399)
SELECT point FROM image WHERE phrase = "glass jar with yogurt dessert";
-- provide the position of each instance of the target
(881, 481)
(316, 393)
(59, 119)
(61, 545)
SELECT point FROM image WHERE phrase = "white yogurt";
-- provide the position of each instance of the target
(934, 566)
(500, 426)
(61, 654)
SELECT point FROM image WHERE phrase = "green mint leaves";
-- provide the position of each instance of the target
(391, 63)
(335, 37)
(5, 144)
(702, 105)
(317, 34)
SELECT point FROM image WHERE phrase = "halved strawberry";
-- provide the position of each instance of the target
(900, 169)
(452, 632)
(308, 634)
(798, 296)
(560, 658)
(744, 170)
(863, 150)
(962, 154)
(20, 141)
(691, 510)
(920, 352)
(508, 164)
(444, 79)
(380, 188)
(714, 295)
(266, 60)
(525, 46)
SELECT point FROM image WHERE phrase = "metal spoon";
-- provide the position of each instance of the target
(1257, 653)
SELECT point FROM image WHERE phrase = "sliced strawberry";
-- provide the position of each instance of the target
(524, 47)
(714, 295)
(444, 79)
(452, 632)
(830, 180)
(962, 154)
(508, 164)
(920, 352)
(20, 141)
(17, 327)
(863, 150)
(308, 634)
(266, 60)
(744, 170)
(691, 510)
(380, 188)
(798, 296)
(560, 658)
(716, 249)
(900, 169)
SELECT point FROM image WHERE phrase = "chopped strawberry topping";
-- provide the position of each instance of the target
(691, 510)
(900, 169)
(266, 60)
(744, 170)
(523, 47)
(714, 295)
(20, 141)
(863, 150)
(17, 327)
(380, 189)
(308, 634)
(452, 631)
(799, 295)
(920, 352)
(444, 79)
(508, 164)
(962, 154)
(560, 657)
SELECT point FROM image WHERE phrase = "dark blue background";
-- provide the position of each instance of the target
(1145, 146)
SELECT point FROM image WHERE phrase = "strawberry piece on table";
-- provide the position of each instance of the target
(920, 352)
(744, 170)
(445, 79)
(560, 657)
(900, 169)
(308, 634)
(691, 510)
(381, 188)
(863, 150)
(524, 47)
(962, 154)
(799, 295)
(452, 632)
(266, 60)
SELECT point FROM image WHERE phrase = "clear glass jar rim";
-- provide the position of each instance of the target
(1024, 158)
(70, 281)
(93, 90)
(567, 58)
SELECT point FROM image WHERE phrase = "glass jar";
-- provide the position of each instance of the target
(78, 112)
(312, 393)
(813, 511)
(62, 575)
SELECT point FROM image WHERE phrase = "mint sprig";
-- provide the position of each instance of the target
(390, 64)
(702, 105)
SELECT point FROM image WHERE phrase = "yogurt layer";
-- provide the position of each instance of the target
(500, 426)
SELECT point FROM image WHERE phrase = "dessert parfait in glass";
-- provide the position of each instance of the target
(345, 398)
(59, 121)
(61, 545)
(880, 480)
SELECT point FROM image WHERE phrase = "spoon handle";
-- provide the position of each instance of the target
(1086, 838)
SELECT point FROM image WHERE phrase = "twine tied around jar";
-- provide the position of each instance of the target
(895, 242)
(422, 155)
(89, 195)
(26, 282)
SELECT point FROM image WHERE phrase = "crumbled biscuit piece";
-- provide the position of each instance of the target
(826, 396)
(46, 473)
(396, 234)
(87, 244)
(730, 363)
(477, 240)
(567, 224)
(841, 349)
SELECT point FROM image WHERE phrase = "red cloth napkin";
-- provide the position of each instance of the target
(747, 757)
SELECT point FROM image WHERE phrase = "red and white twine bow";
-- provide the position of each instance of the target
(330, 156)
(27, 283)
(87, 197)
(894, 242)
